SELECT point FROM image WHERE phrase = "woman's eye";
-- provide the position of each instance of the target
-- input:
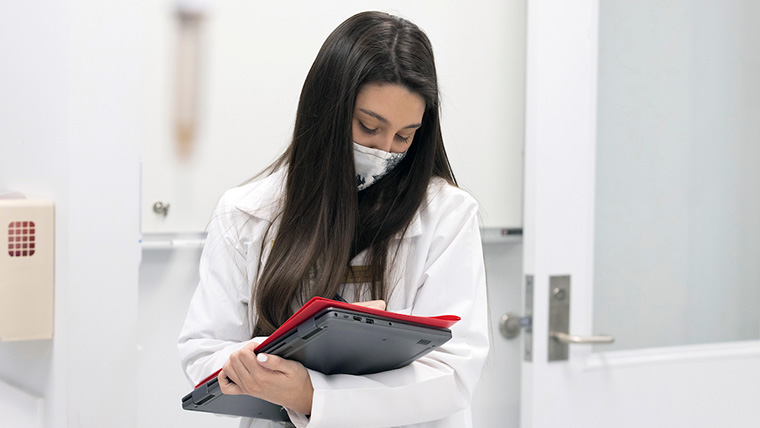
(368, 130)
(402, 139)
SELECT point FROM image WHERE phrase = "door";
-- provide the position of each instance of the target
(642, 200)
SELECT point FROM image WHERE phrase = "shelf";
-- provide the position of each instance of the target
(195, 241)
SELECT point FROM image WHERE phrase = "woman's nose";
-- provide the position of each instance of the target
(382, 143)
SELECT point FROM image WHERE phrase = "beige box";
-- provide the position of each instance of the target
(27, 269)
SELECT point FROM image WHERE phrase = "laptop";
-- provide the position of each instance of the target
(332, 337)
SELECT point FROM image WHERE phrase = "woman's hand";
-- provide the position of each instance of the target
(272, 378)
(374, 304)
(269, 377)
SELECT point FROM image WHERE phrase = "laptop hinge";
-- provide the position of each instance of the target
(307, 327)
(201, 395)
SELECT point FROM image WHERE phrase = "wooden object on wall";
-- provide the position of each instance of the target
(189, 60)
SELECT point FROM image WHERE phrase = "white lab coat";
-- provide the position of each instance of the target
(439, 270)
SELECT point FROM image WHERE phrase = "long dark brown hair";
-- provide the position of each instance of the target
(325, 221)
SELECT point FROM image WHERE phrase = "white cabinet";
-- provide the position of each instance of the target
(253, 58)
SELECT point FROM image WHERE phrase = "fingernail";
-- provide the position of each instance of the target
(262, 358)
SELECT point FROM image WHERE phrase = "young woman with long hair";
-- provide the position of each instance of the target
(363, 204)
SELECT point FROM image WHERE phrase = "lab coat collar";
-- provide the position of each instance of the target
(263, 199)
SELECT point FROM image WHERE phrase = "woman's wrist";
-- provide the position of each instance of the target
(303, 403)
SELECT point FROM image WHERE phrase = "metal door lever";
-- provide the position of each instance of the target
(559, 321)
(511, 323)
(569, 338)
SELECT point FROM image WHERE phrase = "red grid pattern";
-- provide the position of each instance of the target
(21, 238)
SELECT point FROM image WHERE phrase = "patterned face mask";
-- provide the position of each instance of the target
(372, 164)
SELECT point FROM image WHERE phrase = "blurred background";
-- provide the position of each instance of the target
(134, 117)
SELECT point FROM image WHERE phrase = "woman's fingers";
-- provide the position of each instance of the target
(242, 362)
(227, 384)
(277, 364)
(374, 304)
(272, 378)
(238, 373)
(288, 382)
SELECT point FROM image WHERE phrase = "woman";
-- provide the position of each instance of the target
(362, 204)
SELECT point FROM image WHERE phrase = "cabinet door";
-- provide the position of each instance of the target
(252, 59)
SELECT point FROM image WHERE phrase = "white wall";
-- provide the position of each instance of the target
(167, 281)
(68, 130)
(496, 402)
(20, 408)
(33, 108)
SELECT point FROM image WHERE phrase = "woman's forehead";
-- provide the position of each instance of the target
(393, 103)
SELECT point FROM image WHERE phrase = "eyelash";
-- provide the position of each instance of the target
(368, 131)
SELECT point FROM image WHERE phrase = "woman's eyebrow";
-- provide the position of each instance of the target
(384, 120)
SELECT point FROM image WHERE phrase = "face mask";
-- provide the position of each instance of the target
(372, 164)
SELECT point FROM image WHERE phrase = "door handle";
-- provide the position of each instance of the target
(559, 321)
(572, 339)
(511, 323)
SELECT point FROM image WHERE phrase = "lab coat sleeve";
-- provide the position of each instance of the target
(217, 319)
(442, 382)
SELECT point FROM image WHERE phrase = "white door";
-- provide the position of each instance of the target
(642, 210)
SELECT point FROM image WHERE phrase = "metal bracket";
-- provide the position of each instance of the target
(528, 341)
(559, 316)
